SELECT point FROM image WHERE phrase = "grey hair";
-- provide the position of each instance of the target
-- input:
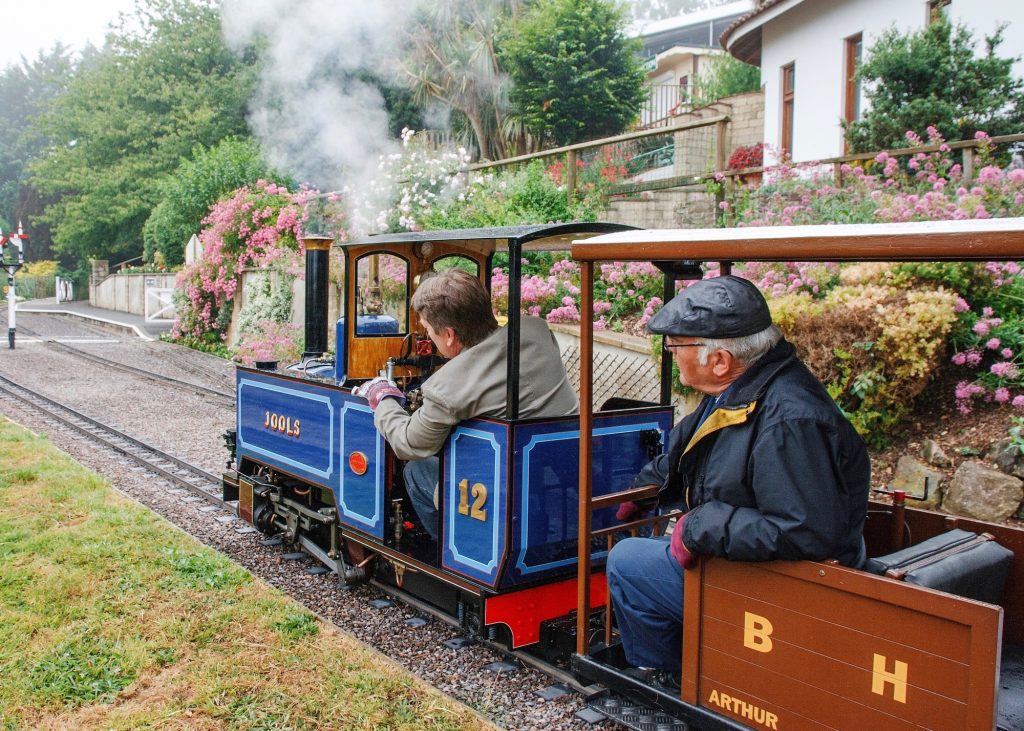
(748, 349)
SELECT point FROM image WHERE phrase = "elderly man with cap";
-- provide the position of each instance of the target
(767, 467)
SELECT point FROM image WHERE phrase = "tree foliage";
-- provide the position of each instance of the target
(577, 76)
(933, 78)
(186, 196)
(164, 83)
(724, 76)
(26, 89)
(452, 60)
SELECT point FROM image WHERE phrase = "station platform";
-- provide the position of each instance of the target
(134, 325)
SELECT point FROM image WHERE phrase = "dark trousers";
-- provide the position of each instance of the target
(420, 482)
(646, 586)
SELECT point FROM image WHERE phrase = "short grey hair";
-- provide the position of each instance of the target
(748, 349)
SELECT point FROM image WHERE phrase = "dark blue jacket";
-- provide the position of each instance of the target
(775, 471)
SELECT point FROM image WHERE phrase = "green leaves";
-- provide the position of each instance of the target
(81, 670)
(933, 78)
(130, 117)
(186, 196)
(577, 76)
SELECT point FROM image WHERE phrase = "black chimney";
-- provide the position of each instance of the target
(318, 248)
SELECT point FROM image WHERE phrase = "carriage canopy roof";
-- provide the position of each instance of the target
(988, 239)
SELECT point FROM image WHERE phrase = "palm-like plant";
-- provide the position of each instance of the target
(452, 59)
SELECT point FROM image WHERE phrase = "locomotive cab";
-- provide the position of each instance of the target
(310, 467)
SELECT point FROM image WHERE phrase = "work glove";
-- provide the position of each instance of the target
(377, 390)
(629, 511)
(676, 547)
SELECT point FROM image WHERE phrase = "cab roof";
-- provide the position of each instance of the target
(558, 236)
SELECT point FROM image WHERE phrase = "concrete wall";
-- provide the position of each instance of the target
(693, 207)
(679, 208)
(127, 292)
(811, 36)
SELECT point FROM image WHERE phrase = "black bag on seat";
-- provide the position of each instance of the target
(968, 564)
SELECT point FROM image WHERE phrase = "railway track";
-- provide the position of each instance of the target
(220, 396)
(177, 472)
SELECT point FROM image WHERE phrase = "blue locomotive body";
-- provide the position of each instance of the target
(510, 490)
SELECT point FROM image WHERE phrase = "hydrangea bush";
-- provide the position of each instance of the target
(623, 292)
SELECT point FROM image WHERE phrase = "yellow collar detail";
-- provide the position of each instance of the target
(720, 419)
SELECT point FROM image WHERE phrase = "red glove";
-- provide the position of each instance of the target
(628, 511)
(678, 550)
(377, 390)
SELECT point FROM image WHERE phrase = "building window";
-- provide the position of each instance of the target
(853, 46)
(788, 93)
(936, 9)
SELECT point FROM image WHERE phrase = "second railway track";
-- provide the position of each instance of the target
(176, 471)
(224, 397)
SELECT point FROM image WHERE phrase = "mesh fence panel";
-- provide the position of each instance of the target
(625, 376)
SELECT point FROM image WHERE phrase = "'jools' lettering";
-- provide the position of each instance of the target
(284, 424)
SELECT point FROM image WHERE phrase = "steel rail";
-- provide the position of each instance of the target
(119, 442)
(142, 373)
(539, 664)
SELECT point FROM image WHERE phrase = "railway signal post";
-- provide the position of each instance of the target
(12, 257)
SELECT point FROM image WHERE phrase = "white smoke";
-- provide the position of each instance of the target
(314, 119)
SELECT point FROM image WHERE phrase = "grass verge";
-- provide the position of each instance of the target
(112, 619)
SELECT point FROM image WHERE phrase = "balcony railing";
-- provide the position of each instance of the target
(663, 104)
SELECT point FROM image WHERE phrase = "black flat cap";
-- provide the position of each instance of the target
(721, 307)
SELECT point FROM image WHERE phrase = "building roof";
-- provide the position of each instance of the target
(700, 29)
(742, 39)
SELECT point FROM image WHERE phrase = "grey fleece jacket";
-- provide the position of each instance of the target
(473, 384)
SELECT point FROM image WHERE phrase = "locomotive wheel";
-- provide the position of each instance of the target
(263, 519)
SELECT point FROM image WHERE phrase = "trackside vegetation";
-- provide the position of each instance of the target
(110, 618)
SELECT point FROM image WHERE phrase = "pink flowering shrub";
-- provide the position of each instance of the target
(926, 186)
(256, 227)
(622, 290)
(990, 345)
(780, 278)
(919, 187)
(253, 228)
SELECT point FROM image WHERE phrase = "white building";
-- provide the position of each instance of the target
(808, 49)
(677, 50)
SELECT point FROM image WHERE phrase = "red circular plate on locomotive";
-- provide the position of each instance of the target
(358, 463)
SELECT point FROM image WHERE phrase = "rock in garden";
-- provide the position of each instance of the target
(932, 453)
(1007, 457)
(911, 476)
(983, 493)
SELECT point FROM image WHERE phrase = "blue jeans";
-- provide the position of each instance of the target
(420, 480)
(646, 586)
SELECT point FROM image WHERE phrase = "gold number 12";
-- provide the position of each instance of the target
(479, 500)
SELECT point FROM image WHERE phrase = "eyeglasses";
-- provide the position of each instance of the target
(667, 347)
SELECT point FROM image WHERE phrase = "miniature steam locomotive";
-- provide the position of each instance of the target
(310, 467)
